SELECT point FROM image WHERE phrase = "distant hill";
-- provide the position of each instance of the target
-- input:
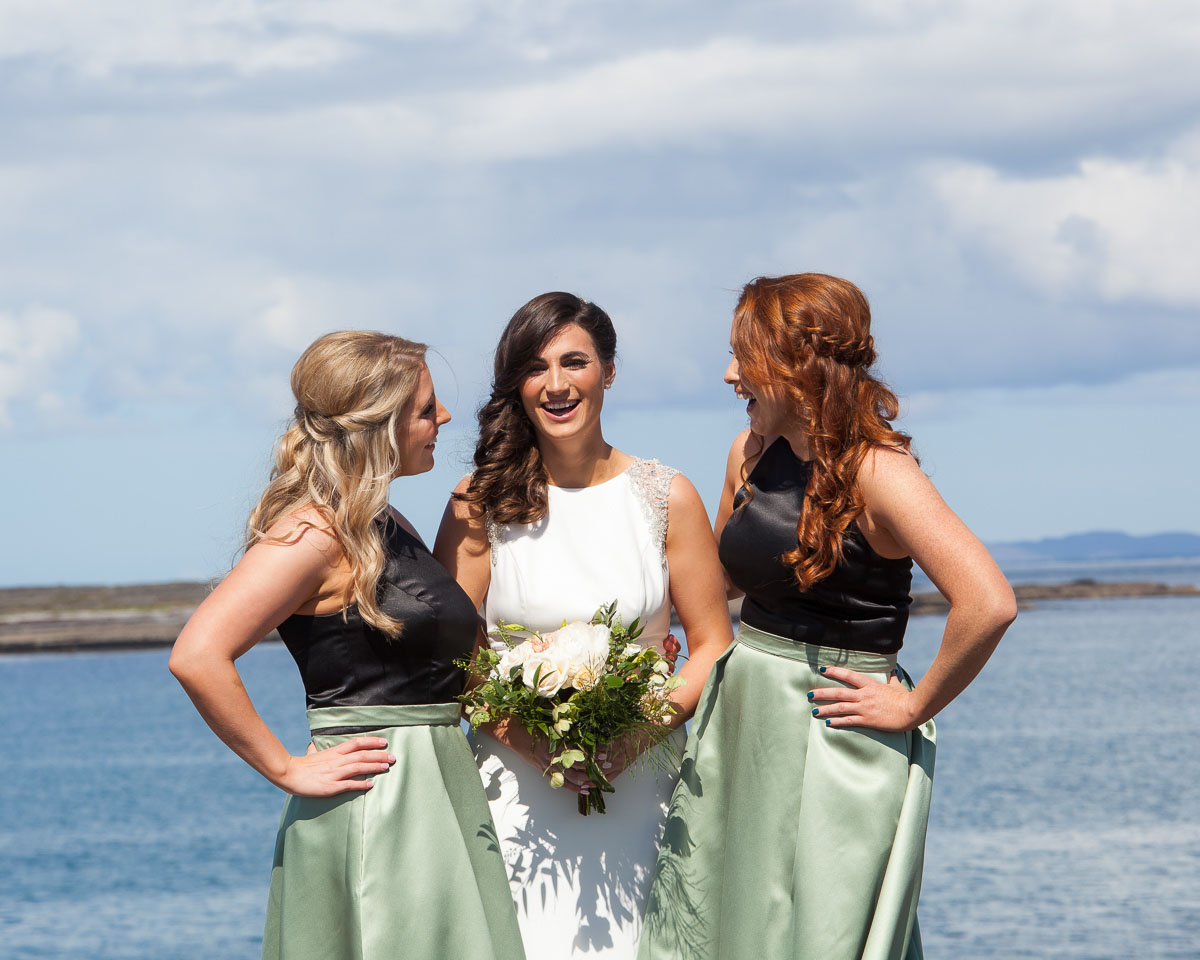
(1099, 545)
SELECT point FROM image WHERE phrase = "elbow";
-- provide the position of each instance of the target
(184, 666)
(1002, 608)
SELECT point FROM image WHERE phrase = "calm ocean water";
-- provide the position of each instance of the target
(1066, 817)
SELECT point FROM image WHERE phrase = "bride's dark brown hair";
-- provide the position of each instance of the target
(807, 336)
(509, 483)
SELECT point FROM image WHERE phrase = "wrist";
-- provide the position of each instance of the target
(918, 710)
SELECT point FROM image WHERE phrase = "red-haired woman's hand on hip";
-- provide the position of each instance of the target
(865, 702)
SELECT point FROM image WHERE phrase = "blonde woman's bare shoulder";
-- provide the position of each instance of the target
(309, 527)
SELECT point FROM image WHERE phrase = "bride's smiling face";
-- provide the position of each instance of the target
(563, 391)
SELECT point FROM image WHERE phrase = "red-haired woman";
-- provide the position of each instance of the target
(798, 826)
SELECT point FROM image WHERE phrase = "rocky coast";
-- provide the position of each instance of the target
(68, 619)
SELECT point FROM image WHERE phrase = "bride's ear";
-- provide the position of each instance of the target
(610, 373)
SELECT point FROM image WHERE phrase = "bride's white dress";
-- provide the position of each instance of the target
(580, 883)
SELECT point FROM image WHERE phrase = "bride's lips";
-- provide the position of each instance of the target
(560, 410)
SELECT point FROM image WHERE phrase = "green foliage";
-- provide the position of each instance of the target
(629, 703)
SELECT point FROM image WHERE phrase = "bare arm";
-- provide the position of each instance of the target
(272, 581)
(462, 547)
(906, 516)
(697, 592)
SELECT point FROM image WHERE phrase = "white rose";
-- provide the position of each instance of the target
(515, 657)
(555, 669)
(586, 647)
(631, 650)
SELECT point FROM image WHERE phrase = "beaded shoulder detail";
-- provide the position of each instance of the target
(493, 534)
(651, 482)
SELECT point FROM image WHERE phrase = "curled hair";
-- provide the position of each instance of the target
(341, 452)
(509, 483)
(807, 338)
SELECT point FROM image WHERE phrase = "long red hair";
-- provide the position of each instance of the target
(808, 337)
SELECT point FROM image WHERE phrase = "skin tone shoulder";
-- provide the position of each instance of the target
(299, 568)
(562, 395)
(904, 516)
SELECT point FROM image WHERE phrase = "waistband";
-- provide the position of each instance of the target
(815, 656)
(380, 717)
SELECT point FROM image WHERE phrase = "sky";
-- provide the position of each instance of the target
(191, 192)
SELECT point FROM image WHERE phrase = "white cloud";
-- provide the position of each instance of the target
(31, 343)
(1116, 229)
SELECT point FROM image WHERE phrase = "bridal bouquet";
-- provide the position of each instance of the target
(581, 687)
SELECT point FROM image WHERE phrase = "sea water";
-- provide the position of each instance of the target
(1065, 820)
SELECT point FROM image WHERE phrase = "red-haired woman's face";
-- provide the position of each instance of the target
(768, 413)
(563, 391)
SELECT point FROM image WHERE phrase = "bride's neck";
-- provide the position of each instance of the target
(579, 463)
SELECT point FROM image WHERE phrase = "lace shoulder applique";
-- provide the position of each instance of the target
(652, 484)
(493, 535)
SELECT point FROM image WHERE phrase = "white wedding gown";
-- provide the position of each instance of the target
(580, 883)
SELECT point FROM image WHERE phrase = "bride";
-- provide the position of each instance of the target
(553, 523)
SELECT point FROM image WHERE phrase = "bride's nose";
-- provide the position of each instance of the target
(732, 373)
(556, 380)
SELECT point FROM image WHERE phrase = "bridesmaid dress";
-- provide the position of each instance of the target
(410, 868)
(788, 838)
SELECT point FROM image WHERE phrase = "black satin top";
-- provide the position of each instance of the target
(862, 605)
(350, 663)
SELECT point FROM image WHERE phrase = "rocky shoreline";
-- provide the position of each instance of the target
(76, 619)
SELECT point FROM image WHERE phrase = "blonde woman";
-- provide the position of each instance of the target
(386, 847)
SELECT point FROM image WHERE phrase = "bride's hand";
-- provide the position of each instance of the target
(613, 760)
(326, 773)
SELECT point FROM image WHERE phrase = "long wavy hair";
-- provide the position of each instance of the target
(340, 452)
(807, 336)
(509, 483)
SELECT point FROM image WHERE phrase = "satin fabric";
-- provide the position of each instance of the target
(787, 838)
(861, 605)
(411, 868)
(343, 660)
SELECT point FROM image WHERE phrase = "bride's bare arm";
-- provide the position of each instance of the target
(462, 546)
(697, 592)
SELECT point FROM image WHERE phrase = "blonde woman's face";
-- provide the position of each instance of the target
(419, 433)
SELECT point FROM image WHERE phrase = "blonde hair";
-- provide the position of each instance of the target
(340, 452)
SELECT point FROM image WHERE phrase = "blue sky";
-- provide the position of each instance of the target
(191, 192)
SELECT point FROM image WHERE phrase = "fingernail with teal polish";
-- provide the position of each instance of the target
(827, 723)
(822, 669)
(816, 710)
(811, 695)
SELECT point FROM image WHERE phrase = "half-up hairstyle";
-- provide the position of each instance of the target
(509, 483)
(807, 336)
(341, 452)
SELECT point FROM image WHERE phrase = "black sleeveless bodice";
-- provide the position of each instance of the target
(862, 605)
(350, 663)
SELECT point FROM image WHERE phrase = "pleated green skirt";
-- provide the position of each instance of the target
(787, 838)
(409, 869)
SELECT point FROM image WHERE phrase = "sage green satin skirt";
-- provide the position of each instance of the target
(408, 869)
(787, 838)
